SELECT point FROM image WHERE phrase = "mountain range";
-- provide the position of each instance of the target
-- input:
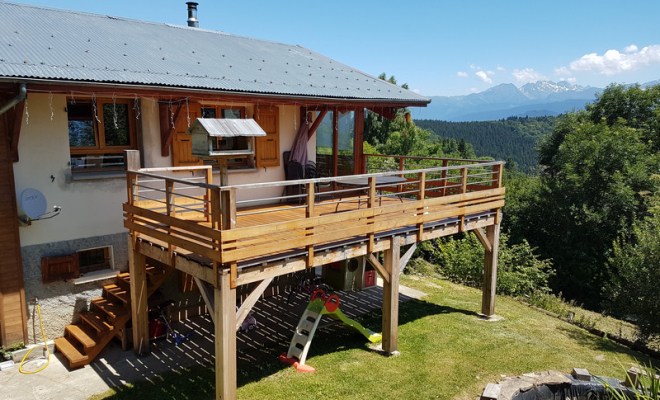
(542, 98)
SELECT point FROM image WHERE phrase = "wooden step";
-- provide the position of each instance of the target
(112, 309)
(83, 334)
(124, 281)
(153, 275)
(69, 350)
(96, 319)
(116, 292)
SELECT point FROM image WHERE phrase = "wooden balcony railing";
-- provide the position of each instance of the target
(183, 210)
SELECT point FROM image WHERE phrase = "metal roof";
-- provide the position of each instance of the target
(226, 127)
(45, 43)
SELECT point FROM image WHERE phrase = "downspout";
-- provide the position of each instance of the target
(22, 95)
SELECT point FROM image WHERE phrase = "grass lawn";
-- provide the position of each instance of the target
(446, 353)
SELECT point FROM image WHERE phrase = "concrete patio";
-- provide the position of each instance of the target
(276, 320)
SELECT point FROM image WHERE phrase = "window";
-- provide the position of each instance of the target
(95, 259)
(239, 162)
(99, 132)
(77, 265)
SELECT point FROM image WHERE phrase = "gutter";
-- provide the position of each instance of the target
(22, 95)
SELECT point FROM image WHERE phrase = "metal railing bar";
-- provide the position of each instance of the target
(268, 211)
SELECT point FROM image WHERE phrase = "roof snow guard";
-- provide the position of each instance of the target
(50, 44)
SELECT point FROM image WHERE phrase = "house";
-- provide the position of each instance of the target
(93, 107)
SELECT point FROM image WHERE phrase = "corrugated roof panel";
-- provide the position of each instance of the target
(37, 42)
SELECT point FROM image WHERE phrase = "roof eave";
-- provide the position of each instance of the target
(161, 90)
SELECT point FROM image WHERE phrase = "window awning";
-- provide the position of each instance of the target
(225, 127)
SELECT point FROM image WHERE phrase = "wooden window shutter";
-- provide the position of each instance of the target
(267, 148)
(59, 268)
(182, 143)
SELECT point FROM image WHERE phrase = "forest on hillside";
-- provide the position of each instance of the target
(585, 227)
(514, 139)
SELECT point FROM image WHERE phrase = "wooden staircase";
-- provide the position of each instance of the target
(106, 319)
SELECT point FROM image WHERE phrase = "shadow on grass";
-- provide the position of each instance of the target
(261, 359)
(596, 343)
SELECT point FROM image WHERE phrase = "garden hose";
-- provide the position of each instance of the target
(20, 368)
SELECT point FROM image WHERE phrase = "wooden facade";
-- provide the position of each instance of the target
(224, 243)
(13, 312)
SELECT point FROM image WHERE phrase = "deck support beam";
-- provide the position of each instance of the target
(391, 297)
(207, 295)
(382, 271)
(490, 270)
(406, 257)
(225, 338)
(139, 296)
(250, 301)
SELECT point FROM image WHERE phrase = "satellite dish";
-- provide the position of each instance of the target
(33, 203)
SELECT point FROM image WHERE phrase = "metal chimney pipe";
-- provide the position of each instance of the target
(192, 14)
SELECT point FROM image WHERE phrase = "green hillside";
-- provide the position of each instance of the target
(513, 138)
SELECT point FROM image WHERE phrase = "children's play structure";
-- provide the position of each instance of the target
(302, 338)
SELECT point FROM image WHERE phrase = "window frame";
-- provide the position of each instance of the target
(248, 161)
(98, 124)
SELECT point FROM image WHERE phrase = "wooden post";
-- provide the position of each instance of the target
(207, 195)
(335, 142)
(225, 339)
(391, 298)
(138, 286)
(445, 163)
(131, 163)
(371, 202)
(358, 142)
(463, 190)
(421, 196)
(310, 213)
(228, 200)
(131, 160)
(490, 271)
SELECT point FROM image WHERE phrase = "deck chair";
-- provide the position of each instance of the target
(294, 171)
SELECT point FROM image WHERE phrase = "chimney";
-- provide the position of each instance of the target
(192, 14)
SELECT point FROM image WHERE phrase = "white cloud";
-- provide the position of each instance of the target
(474, 90)
(630, 49)
(462, 74)
(474, 67)
(490, 73)
(528, 75)
(613, 62)
(484, 77)
(562, 71)
(501, 68)
(571, 80)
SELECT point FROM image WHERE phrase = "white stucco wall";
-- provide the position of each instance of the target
(89, 208)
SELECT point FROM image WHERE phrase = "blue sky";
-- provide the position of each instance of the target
(439, 47)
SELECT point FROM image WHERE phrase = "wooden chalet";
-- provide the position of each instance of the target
(117, 102)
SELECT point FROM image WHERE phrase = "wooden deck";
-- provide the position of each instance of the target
(206, 222)
(226, 239)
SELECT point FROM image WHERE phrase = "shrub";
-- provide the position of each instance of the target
(520, 271)
(632, 293)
